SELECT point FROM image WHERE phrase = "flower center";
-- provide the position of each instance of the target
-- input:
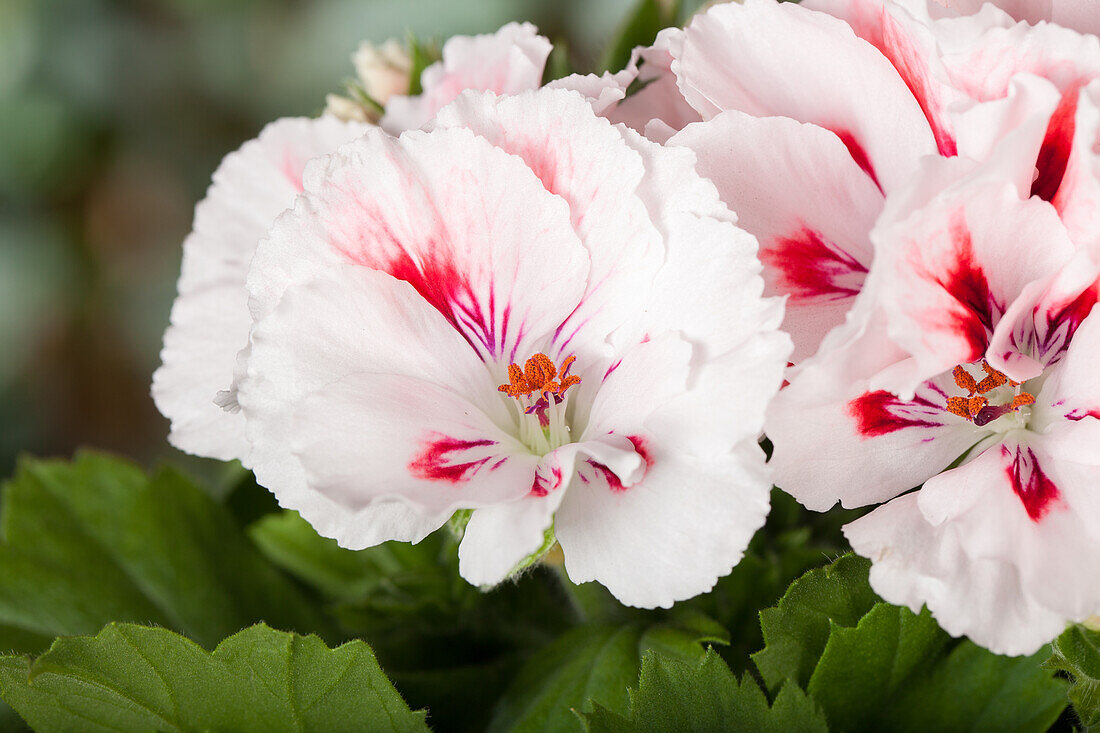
(539, 389)
(976, 406)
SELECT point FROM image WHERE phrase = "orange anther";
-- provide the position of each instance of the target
(959, 406)
(993, 379)
(1022, 399)
(538, 375)
(964, 379)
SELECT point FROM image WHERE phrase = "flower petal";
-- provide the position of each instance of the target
(951, 270)
(836, 437)
(210, 317)
(499, 537)
(358, 390)
(506, 62)
(467, 225)
(733, 53)
(797, 189)
(917, 564)
(670, 536)
(583, 159)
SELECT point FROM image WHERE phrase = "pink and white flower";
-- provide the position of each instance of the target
(977, 313)
(528, 313)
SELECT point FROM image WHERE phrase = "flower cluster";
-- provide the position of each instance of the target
(523, 314)
(557, 311)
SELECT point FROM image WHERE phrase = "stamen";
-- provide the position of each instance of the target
(993, 379)
(540, 389)
(975, 407)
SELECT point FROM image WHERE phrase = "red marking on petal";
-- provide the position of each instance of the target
(1057, 145)
(965, 281)
(1079, 414)
(440, 460)
(609, 476)
(1063, 321)
(881, 413)
(809, 266)
(1037, 492)
(859, 155)
(433, 274)
(641, 447)
(912, 65)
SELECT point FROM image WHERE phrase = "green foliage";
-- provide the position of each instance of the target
(1077, 653)
(872, 666)
(135, 678)
(422, 55)
(589, 666)
(681, 695)
(97, 540)
(638, 29)
(447, 646)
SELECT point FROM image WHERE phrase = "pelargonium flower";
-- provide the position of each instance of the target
(527, 313)
(977, 314)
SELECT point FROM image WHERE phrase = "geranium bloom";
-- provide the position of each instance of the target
(977, 312)
(528, 313)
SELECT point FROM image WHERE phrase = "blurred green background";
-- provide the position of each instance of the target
(113, 115)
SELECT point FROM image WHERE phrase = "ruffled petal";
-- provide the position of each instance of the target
(210, 317)
(467, 225)
(598, 175)
(359, 391)
(733, 54)
(999, 552)
(671, 535)
(917, 564)
(506, 62)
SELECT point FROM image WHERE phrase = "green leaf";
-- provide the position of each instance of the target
(681, 695)
(136, 678)
(1077, 653)
(796, 631)
(448, 646)
(422, 55)
(872, 666)
(638, 29)
(593, 665)
(96, 540)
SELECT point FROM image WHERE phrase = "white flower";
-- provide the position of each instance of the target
(526, 312)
